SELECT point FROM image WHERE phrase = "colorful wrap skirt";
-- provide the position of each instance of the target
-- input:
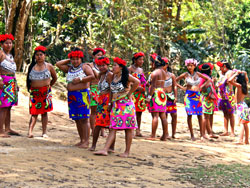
(122, 115)
(192, 102)
(140, 101)
(209, 105)
(171, 105)
(40, 100)
(158, 101)
(9, 93)
(78, 102)
(243, 112)
(94, 94)
(103, 115)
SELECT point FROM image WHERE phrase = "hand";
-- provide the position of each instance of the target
(130, 97)
(140, 89)
(110, 107)
(1, 84)
(76, 81)
(175, 100)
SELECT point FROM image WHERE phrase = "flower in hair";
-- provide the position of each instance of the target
(154, 55)
(4, 37)
(77, 53)
(165, 59)
(211, 66)
(99, 49)
(139, 54)
(120, 61)
(102, 61)
(194, 61)
(40, 48)
(219, 63)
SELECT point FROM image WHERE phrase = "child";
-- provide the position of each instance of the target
(242, 108)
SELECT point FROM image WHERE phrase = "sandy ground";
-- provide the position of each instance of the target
(55, 162)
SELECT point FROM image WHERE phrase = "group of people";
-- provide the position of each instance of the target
(101, 98)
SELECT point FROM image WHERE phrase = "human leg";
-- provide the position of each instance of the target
(32, 124)
(96, 134)
(246, 133)
(44, 123)
(174, 124)
(128, 140)
(190, 126)
(3, 114)
(164, 122)
(138, 119)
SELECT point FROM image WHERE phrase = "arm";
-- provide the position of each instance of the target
(174, 87)
(109, 80)
(89, 74)
(232, 78)
(63, 65)
(203, 76)
(182, 76)
(1, 59)
(135, 83)
(53, 75)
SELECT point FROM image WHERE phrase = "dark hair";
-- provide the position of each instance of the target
(241, 79)
(125, 75)
(135, 58)
(159, 62)
(96, 52)
(33, 63)
(226, 64)
(206, 69)
(77, 49)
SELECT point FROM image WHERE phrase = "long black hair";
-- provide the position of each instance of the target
(227, 64)
(241, 79)
(33, 63)
(206, 69)
(159, 62)
(125, 75)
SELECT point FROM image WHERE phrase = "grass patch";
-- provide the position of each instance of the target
(235, 175)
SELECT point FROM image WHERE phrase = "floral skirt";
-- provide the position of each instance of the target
(94, 94)
(103, 115)
(78, 102)
(122, 115)
(209, 105)
(243, 112)
(140, 101)
(171, 105)
(9, 93)
(40, 100)
(158, 101)
(192, 102)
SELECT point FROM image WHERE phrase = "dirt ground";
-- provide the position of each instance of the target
(55, 162)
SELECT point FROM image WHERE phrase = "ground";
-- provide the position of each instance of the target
(55, 162)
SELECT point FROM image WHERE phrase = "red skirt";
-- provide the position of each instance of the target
(103, 115)
(40, 100)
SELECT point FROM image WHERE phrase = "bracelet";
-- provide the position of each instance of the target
(109, 103)
(80, 79)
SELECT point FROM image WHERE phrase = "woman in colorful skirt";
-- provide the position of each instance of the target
(192, 100)
(242, 108)
(78, 79)
(103, 114)
(139, 95)
(157, 99)
(8, 84)
(209, 98)
(170, 88)
(122, 115)
(39, 85)
(226, 96)
(94, 92)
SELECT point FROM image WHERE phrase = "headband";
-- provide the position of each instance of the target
(194, 61)
(211, 66)
(139, 54)
(4, 37)
(40, 48)
(99, 49)
(165, 59)
(120, 61)
(76, 53)
(102, 61)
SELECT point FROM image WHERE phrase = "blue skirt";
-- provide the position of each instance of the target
(192, 102)
(79, 104)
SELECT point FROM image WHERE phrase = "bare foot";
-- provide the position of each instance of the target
(239, 143)
(92, 148)
(246, 142)
(11, 132)
(101, 152)
(111, 150)
(4, 135)
(124, 155)
(138, 134)
(151, 138)
(45, 136)
(78, 144)
(205, 137)
(164, 138)
(232, 135)
(213, 136)
(224, 134)
(174, 137)
(30, 136)
(193, 138)
(84, 145)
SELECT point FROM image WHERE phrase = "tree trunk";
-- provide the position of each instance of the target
(20, 29)
(11, 16)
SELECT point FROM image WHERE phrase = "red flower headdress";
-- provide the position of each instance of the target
(220, 64)
(40, 48)
(139, 54)
(99, 49)
(120, 61)
(4, 37)
(209, 64)
(102, 61)
(77, 53)
(154, 55)
(165, 59)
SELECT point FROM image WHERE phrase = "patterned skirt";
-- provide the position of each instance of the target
(40, 100)
(243, 112)
(209, 105)
(158, 101)
(227, 105)
(171, 105)
(192, 102)
(9, 93)
(122, 115)
(94, 93)
(103, 115)
(140, 101)
(78, 102)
